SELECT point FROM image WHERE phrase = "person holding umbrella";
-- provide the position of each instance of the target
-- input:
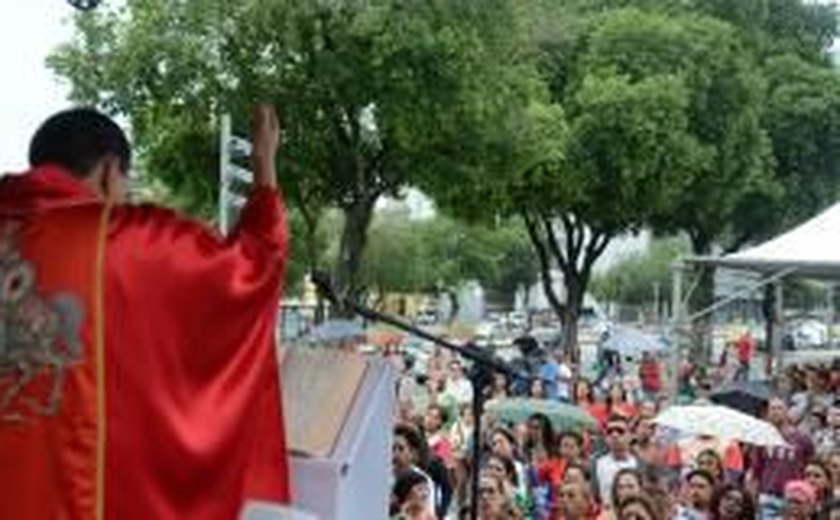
(773, 468)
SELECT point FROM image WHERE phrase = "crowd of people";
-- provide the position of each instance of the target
(626, 468)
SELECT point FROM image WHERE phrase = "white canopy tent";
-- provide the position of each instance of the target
(810, 250)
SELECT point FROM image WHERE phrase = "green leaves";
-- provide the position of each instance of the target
(406, 255)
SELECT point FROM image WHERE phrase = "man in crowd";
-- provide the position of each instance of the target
(617, 458)
(773, 468)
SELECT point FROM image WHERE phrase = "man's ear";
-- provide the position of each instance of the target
(112, 181)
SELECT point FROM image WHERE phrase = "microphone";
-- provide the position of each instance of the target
(84, 5)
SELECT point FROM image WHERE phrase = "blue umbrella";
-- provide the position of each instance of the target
(335, 331)
(630, 342)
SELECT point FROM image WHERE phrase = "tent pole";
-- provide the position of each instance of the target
(830, 338)
(677, 271)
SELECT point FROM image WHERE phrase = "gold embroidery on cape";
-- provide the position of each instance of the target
(38, 334)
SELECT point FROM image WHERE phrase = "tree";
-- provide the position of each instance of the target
(774, 27)
(615, 157)
(374, 95)
(439, 255)
(803, 120)
(632, 280)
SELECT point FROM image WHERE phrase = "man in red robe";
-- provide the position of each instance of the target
(138, 372)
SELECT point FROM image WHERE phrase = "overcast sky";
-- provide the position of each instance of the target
(29, 29)
(30, 93)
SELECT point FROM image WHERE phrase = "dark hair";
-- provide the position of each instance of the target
(547, 438)
(609, 399)
(625, 471)
(587, 473)
(617, 417)
(747, 509)
(715, 455)
(416, 441)
(825, 512)
(443, 412)
(77, 140)
(702, 474)
(507, 434)
(575, 436)
(589, 390)
(405, 483)
(641, 500)
(510, 468)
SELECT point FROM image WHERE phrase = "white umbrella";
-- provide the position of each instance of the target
(721, 422)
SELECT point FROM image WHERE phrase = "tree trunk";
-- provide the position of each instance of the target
(575, 256)
(357, 218)
(702, 298)
(454, 305)
(541, 248)
(575, 291)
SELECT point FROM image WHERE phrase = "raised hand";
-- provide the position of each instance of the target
(265, 137)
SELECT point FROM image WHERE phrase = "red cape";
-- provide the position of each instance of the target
(175, 412)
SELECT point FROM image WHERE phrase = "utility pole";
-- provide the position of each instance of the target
(230, 148)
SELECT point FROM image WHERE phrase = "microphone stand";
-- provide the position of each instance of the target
(480, 374)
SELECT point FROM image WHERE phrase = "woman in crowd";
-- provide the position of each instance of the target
(571, 447)
(503, 444)
(500, 389)
(627, 483)
(638, 507)
(818, 475)
(493, 501)
(545, 464)
(411, 454)
(504, 468)
(709, 460)
(618, 403)
(800, 500)
(828, 438)
(698, 502)
(834, 468)
(732, 502)
(410, 498)
(585, 398)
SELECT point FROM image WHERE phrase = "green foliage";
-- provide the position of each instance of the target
(803, 119)
(632, 280)
(374, 95)
(780, 26)
(439, 254)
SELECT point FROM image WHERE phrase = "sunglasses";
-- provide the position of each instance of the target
(616, 431)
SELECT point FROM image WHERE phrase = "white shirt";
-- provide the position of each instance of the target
(606, 469)
(564, 382)
(460, 391)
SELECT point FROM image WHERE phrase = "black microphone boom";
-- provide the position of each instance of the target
(480, 375)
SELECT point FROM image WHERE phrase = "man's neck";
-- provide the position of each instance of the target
(621, 455)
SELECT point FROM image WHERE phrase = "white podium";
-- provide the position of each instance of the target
(353, 481)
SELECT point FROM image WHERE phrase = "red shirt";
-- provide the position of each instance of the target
(651, 376)
(745, 348)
